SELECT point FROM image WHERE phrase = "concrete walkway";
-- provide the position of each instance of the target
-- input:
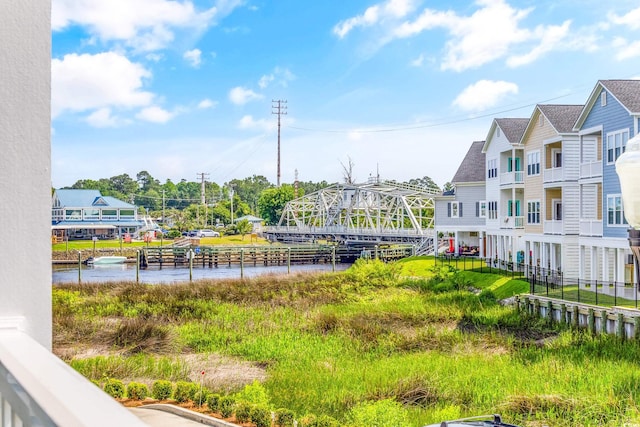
(158, 415)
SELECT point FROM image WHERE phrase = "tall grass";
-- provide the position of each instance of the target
(441, 348)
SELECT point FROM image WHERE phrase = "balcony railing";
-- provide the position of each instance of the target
(591, 169)
(590, 227)
(38, 389)
(553, 175)
(508, 178)
(553, 227)
(512, 222)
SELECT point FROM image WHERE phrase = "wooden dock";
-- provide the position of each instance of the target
(226, 256)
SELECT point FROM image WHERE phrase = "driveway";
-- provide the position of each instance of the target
(158, 415)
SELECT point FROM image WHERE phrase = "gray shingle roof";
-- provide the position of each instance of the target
(513, 129)
(561, 117)
(472, 167)
(625, 91)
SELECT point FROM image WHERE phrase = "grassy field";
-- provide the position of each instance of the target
(434, 339)
(87, 245)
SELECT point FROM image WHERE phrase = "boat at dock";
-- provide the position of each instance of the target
(106, 260)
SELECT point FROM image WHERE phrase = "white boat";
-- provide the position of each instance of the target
(103, 260)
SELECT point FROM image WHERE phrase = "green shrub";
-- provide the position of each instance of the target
(309, 420)
(185, 391)
(161, 389)
(213, 402)
(173, 233)
(114, 388)
(261, 416)
(137, 391)
(200, 398)
(254, 393)
(226, 406)
(383, 413)
(327, 421)
(284, 417)
(243, 412)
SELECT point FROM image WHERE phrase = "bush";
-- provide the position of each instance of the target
(114, 388)
(213, 402)
(185, 391)
(137, 391)
(261, 416)
(161, 390)
(243, 412)
(308, 420)
(172, 234)
(226, 405)
(327, 421)
(200, 398)
(254, 393)
(383, 413)
(284, 417)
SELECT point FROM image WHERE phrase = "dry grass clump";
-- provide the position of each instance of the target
(141, 336)
(539, 403)
(413, 391)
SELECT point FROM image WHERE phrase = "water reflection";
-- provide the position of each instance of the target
(127, 272)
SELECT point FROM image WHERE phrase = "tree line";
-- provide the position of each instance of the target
(180, 204)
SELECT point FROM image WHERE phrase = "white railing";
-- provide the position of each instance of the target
(553, 175)
(591, 169)
(512, 222)
(347, 230)
(590, 227)
(38, 389)
(553, 227)
(507, 178)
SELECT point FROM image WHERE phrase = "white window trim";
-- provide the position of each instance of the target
(529, 202)
(482, 209)
(614, 225)
(529, 154)
(603, 98)
(622, 147)
(457, 209)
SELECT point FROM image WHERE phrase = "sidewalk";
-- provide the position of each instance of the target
(159, 415)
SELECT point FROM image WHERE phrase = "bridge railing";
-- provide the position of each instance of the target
(38, 389)
(347, 230)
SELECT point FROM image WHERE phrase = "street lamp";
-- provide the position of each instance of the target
(628, 169)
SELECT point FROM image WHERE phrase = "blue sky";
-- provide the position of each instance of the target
(402, 87)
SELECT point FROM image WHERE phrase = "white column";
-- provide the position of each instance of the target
(456, 249)
(581, 256)
(605, 264)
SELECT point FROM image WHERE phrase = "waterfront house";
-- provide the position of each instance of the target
(551, 191)
(505, 190)
(84, 214)
(610, 117)
(460, 213)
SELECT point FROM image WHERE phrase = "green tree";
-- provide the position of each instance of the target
(249, 189)
(425, 182)
(272, 202)
(146, 181)
(243, 227)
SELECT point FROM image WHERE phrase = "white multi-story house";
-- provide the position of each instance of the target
(460, 213)
(551, 192)
(610, 117)
(504, 160)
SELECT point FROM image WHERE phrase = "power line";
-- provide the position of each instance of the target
(279, 108)
(202, 176)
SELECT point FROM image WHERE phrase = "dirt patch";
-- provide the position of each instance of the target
(222, 372)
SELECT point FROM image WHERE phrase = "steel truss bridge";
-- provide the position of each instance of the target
(370, 214)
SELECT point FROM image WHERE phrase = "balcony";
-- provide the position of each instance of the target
(512, 222)
(510, 178)
(591, 169)
(590, 227)
(38, 389)
(553, 175)
(553, 227)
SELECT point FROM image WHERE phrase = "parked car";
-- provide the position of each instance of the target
(481, 421)
(206, 233)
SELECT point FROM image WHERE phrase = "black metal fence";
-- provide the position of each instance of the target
(551, 282)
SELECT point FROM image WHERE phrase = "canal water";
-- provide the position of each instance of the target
(155, 274)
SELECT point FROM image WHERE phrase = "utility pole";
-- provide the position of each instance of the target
(163, 203)
(295, 185)
(279, 108)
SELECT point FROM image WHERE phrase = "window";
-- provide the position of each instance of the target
(493, 210)
(481, 209)
(492, 168)
(616, 144)
(533, 212)
(498, 132)
(541, 120)
(603, 98)
(556, 158)
(510, 210)
(91, 214)
(73, 214)
(615, 212)
(127, 213)
(511, 162)
(533, 163)
(454, 209)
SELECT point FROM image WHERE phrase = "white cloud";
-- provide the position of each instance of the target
(240, 96)
(391, 9)
(206, 103)
(145, 25)
(484, 94)
(89, 82)
(281, 75)
(626, 49)
(550, 38)
(193, 57)
(630, 19)
(102, 118)
(248, 122)
(155, 114)
(418, 61)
